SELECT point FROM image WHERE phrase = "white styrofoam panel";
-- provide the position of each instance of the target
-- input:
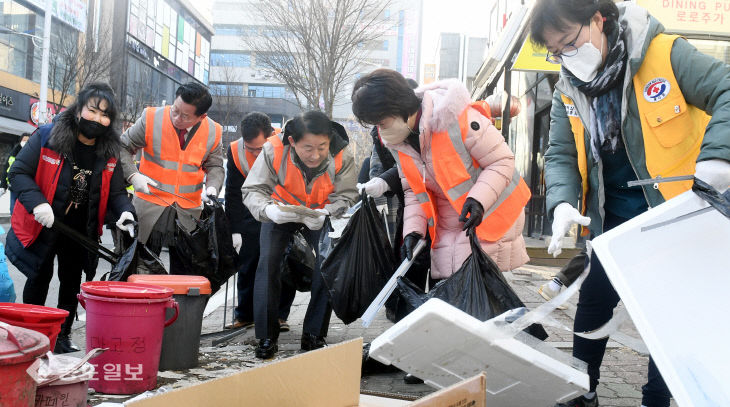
(443, 345)
(674, 281)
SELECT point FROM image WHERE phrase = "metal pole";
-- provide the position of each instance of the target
(43, 96)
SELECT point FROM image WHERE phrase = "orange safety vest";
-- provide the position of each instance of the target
(178, 173)
(242, 158)
(456, 173)
(672, 129)
(292, 189)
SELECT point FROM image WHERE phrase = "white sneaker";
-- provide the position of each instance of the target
(548, 293)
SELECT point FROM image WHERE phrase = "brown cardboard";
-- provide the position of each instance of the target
(325, 377)
(468, 393)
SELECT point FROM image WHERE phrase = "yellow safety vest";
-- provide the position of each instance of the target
(672, 129)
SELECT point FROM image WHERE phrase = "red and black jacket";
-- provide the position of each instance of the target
(41, 174)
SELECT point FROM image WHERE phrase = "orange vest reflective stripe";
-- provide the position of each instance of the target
(242, 158)
(456, 173)
(292, 189)
(178, 173)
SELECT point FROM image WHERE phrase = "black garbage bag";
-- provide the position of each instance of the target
(208, 250)
(134, 255)
(359, 264)
(477, 288)
(298, 264)
(226, 255)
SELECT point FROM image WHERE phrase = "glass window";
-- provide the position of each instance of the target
(269, 91)
(223, 89)
(218, 58)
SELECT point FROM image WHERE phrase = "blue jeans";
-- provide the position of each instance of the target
(596, 302)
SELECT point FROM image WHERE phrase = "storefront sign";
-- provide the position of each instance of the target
(13, 104)
(51, 112)
(691, 16)
(532, 58)
(71, 12)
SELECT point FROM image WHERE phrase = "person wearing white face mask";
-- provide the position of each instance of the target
(631, 103)
(451, 174)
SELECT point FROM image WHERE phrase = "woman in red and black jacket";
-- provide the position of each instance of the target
(66, 173)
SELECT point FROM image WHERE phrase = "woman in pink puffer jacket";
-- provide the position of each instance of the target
(406, 122)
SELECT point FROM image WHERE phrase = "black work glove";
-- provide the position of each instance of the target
(409, 243)
(475, 210)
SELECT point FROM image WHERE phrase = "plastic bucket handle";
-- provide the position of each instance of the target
(172, 304)
(82, 301)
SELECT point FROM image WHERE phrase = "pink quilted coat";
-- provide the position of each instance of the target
(442, 102)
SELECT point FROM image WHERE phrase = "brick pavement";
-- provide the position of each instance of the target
(623, 371)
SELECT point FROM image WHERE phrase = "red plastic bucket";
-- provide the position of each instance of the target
(45, 320)
(131, 331)
(19, 348)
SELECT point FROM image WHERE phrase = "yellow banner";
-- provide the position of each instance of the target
(532, 58)
(691, 16)
(166, 42)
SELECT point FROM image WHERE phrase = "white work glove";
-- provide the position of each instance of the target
(44, 215)
(276, 215)
(375, 188)
(2, 191)
(237, 242)
(564, 217)
(140, 182)
(209, 194)
(714, 172)
(313, 223)
(129, 227)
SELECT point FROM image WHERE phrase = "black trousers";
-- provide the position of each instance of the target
(248, 261)
(71, 258)
(596, 302)
(267, 287)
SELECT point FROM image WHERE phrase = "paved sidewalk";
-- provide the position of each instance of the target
(622, 374)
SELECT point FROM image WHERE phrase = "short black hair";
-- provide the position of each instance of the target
(197, 95)
(383, 93)
(253, 124)
(557, 14)
(312, 122)
(94, 93)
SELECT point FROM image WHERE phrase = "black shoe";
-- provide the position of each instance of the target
(410, 379)
(267, 349)
(64, 345)
(580, 402)
(311, 342)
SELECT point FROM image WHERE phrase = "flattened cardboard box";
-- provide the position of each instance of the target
(325, 377)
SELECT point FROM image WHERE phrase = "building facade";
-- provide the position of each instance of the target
(459, 56)
(159, 45)
(238, 84)
(21, 46)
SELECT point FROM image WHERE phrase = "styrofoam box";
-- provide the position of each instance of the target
(674, 281)
(443, 345)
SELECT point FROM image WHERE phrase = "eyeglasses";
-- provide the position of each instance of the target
(568, 50)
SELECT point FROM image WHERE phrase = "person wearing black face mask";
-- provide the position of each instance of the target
(66, 173)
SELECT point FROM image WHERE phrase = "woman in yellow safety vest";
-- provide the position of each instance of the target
(630, 104)
(457, 172)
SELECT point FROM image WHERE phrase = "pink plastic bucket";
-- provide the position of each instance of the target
(131, 331)
(71, 395)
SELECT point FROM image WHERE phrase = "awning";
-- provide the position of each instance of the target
(500, 54)
(16, 127)
(532, 58)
